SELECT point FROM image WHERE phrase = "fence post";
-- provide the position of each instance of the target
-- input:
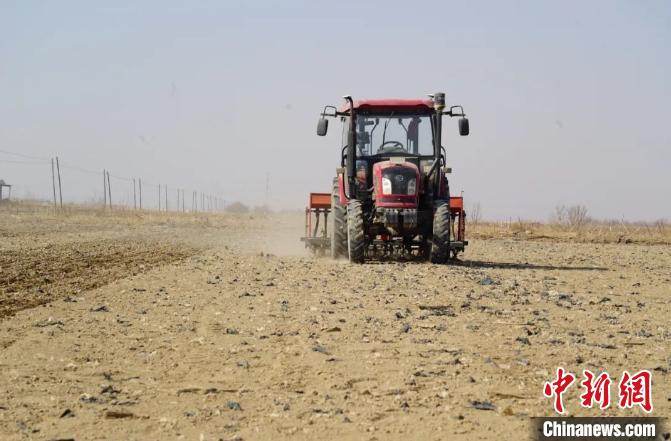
(53, 183)
(104, 190)
(60, 191)
(109, 190)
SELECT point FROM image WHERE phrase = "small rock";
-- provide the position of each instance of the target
(321, 349)
(101, 308)
(483, 405)
(234, 405)
(487, 281)
(67, 413)
(231, 331)
(49, 322)
(406, 328)
(523, 340)
(88, 399)
(243, 364)
(109, 389)
(115, 414)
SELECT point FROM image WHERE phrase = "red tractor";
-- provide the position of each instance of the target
(391, 194)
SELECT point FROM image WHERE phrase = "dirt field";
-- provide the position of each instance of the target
(206, 328)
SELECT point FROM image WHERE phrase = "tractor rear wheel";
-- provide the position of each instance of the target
(338, 224)
(440, 242)
(356, 238)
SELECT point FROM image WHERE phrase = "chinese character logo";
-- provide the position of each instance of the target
(558, 387)
(595, 390)
(636, 390)
(633, 390)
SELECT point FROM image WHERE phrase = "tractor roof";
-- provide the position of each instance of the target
(390, 104)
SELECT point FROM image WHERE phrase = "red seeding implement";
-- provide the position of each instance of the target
(391, 195)
(319, 207)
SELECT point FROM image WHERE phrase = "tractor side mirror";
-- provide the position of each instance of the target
(464, 130)
(322, 126)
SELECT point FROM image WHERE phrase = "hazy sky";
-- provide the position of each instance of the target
(568, 101)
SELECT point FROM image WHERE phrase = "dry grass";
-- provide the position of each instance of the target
(31, 214)
(657, 233)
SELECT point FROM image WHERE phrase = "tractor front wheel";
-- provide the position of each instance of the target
(440, 242)
(338, 224)
(356, 238)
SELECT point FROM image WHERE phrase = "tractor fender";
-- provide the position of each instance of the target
(341, 190)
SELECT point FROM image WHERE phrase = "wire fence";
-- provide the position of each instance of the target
(100, 188)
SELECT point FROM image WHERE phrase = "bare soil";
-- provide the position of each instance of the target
(222, 327)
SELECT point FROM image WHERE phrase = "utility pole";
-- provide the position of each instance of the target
(159, 197)
(53, 183)
(104, 189)
(109, 189)
(166, 198)
(140, 188)
(134, 196)
(60, 191)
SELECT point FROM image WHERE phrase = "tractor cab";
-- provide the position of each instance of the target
(386, 130)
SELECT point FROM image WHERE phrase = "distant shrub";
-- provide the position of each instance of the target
(573, 217)
(237, 207)
(475, 213)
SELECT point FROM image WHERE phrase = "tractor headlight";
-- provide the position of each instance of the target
(412, 186)
(386, 186)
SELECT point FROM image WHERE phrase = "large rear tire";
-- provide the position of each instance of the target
(338, 224)
(440, 242)
(356, 237)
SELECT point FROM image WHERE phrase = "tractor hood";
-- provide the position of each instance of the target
(397, 183)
